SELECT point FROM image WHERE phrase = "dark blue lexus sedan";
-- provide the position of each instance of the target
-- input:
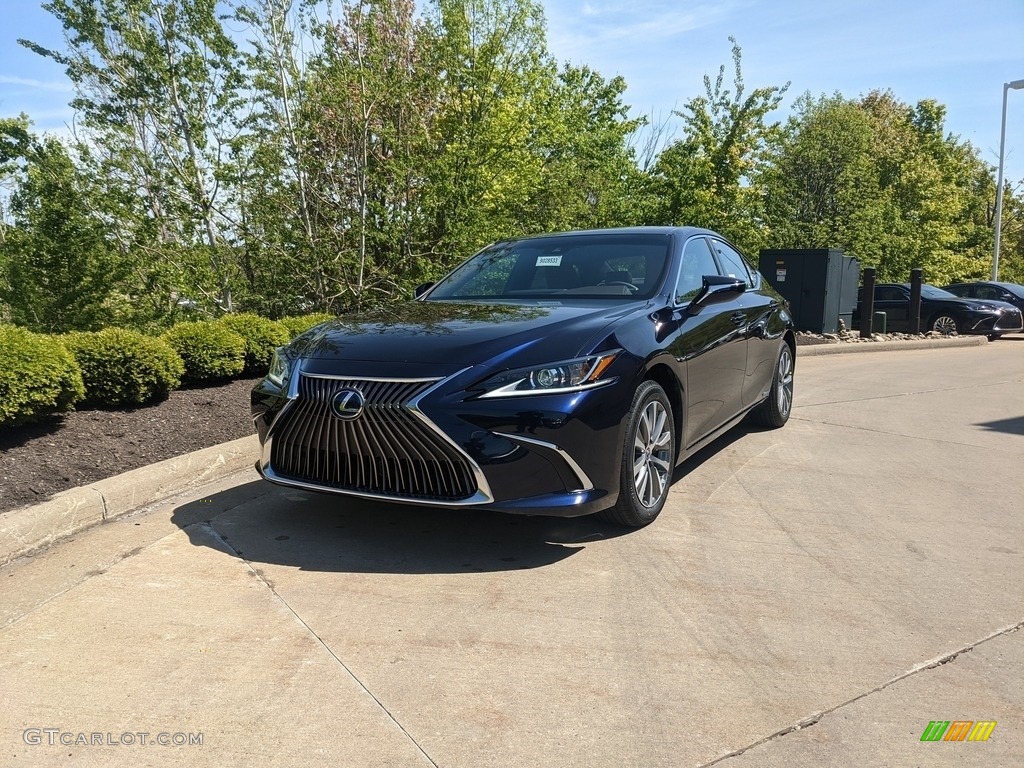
(562, 374)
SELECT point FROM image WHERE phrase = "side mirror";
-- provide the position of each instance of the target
(421, 289)
(715, 290)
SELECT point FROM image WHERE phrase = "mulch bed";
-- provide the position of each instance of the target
(39, 460)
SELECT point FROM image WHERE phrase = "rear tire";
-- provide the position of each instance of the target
(774, 411)
(648, 459)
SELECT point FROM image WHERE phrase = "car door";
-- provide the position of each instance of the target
(709, 347)
(894, 300)
(757, 309)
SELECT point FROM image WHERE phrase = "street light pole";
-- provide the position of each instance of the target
(1016, 85)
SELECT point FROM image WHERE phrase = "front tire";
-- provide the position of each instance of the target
(774, 411)
(648, 459)
(944, 324)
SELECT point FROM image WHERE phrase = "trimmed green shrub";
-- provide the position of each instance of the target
(261, 336)
(38, 376)
(121, 367)
(298, 324)
(210, 350)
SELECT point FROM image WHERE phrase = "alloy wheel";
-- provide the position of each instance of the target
(785, 381)
(944, 324)
(652, 454)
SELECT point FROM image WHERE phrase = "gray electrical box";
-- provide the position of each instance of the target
(819, 283)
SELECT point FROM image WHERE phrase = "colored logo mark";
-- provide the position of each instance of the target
(958, 730)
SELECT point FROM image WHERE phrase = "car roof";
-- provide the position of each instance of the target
(653, 230)
(1011, 287)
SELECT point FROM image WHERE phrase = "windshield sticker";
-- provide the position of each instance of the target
(549, 261)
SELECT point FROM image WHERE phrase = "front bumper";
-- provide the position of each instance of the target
(438, 445)
(1008, 321)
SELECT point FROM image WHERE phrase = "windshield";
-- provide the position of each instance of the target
(931, 292)
(611, 266)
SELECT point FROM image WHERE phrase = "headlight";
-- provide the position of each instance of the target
(278, 372)
(555, 378)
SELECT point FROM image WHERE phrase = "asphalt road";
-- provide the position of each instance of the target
(810, 596)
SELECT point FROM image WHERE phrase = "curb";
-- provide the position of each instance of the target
(27, 529)
(848, 347)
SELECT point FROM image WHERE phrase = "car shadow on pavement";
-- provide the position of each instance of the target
(261, 523)
(716, 446)
(1014, 426)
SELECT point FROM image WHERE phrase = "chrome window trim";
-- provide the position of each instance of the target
(672, 296)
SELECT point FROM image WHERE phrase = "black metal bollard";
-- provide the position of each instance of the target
(867, 305)
(915, 301)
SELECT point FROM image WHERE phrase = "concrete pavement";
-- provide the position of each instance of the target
(28, 529)
(810, 596)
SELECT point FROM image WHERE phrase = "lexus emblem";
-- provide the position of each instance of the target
(347, 404)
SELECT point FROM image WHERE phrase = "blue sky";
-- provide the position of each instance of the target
(955, 51)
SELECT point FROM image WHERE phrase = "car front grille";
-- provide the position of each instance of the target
(1010, 321)
(385, 451)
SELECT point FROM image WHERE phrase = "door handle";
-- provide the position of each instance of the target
(738, 318)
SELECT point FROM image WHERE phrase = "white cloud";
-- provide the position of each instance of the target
(61, 86)
(577, 33)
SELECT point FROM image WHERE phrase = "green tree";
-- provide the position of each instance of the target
(520, 145)
(586, 173)
(821, 187)
(1011, 246)
(366, 119)
(281, 254)
(158, 91)
(59, 268)
(881, 180)
(710, 177)
(491, 62)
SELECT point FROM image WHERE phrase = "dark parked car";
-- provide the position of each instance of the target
(561, 374)
(942, 311)
(1011, 293)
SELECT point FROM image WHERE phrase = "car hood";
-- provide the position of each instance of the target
(988, 305)
(461, 333)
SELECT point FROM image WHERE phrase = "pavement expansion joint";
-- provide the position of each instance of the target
(887, 432)
(214, 533)
(103, 501)
(914, 393)
(84, 577)
(816, 717)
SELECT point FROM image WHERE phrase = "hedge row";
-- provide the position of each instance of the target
(121, 367)
(41, 375)
(38, 376)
